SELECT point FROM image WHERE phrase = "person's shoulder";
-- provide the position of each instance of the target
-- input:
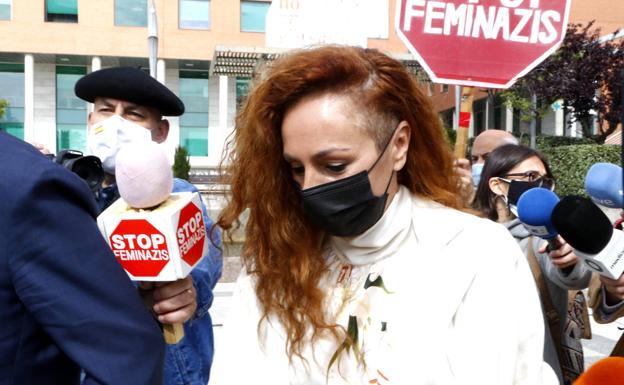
(23, 163)
(26, 171)
(437, 215)
(181, 185)
(457, 230)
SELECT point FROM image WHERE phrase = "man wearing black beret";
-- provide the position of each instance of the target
(129, 106)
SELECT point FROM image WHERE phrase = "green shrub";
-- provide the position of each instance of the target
(543, 142)
(3, 106)
(451, 136)
(546, 141)
(569, 164)
(181, 164)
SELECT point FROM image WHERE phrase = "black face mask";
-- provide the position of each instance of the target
(345, 207)
(516, 189)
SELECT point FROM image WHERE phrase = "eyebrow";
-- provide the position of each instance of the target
(319, 155)
(105, 102)
(129, 105)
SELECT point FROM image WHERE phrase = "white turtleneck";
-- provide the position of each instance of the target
(383, 239)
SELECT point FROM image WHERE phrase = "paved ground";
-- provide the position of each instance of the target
(604, 336)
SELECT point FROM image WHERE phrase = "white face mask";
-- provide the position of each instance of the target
(107, 136)
(476, 168)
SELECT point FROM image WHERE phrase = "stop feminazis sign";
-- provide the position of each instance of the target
(191, 234)
(483, 43)
(160, 244)
(140, 248)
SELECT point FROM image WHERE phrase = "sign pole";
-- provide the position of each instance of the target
(465, 116)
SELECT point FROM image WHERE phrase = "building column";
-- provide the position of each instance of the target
(29, 97)
(96, 65)
(161, 67)
(508, 119)
(559, 123)
(216, 138)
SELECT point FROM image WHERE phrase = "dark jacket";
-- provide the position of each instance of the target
(65, 302)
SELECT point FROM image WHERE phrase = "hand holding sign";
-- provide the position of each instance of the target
(155, 235)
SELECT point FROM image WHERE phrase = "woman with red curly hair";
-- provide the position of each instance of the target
(359, 267)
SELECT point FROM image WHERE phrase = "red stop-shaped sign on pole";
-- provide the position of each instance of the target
(139, 247)
(484, 43)
(191, 234)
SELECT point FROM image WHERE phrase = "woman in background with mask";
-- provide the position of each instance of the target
(509, 171)
(358, 266)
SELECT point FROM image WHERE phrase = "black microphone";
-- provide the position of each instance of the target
(588, 230)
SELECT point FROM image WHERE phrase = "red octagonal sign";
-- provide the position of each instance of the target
(484, 43)
(191, 234)
(139, 247)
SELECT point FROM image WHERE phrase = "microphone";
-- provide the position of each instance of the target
(609, 370)
(155, 235)
(585, 227)
(535, 207)
(143, 175)
(603, 184)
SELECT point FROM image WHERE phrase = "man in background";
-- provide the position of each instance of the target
(470, 170)
(129, 106)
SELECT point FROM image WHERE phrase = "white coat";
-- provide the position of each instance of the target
(459, 307)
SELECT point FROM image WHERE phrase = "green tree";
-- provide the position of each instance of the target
(583, 72)
(181, 163)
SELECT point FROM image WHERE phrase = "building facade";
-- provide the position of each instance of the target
(207, 52)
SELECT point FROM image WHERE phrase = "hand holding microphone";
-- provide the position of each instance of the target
(590, 233)
(158, 237)
(603, 184)
(535, 207)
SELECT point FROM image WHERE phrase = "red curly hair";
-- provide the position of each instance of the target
(282, 248)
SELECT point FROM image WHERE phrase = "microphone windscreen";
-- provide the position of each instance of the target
(582, 224)
(535, 207)
(607, 371)
(603, 183)
(143, 174)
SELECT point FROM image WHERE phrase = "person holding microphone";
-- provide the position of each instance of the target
(509, 171)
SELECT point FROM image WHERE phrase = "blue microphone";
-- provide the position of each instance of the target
(603, 184)
(535, 207)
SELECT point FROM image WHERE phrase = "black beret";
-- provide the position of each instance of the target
(129, 84)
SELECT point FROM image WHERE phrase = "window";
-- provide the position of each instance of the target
(131, 13)
(64, 11)
(444, 88)
(478, 116)
(194, 14)
(242, 89)
(5, 9)
(71, 112)
(12, 90)
(194, 122)
(253, 15)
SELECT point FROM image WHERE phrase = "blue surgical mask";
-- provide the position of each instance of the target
(477, 168)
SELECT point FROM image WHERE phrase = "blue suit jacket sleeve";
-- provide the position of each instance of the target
(68, 280)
